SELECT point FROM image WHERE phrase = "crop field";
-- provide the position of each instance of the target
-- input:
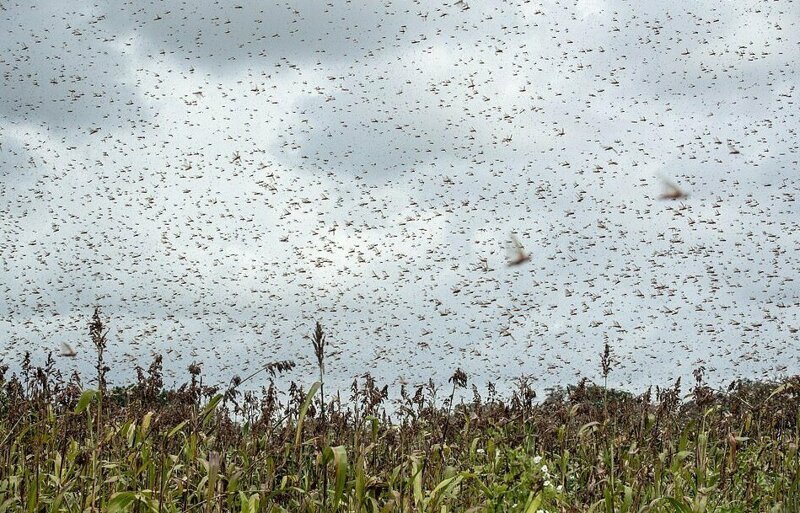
(67, 446)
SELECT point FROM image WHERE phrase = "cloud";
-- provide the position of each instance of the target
(220, 35)
(65, 70)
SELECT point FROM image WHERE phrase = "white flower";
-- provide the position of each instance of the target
(537, 460)
(559, 488)
(544, 470)
(547, 483)
(480, 451)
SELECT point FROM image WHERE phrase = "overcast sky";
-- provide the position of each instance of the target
(216, 177)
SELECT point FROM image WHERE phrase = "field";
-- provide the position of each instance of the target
(68, 447)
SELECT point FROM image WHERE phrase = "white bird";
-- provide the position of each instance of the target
(68, 351)
(517, 254)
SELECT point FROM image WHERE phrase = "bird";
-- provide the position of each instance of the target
(672, 191)
(517, 254)
(67, 351)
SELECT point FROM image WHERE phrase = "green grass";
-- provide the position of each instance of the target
(198, 448)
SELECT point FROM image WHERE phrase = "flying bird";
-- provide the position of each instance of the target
(67, 351)
(672, 191)
(517, 254)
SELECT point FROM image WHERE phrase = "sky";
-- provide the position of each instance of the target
(217, 177)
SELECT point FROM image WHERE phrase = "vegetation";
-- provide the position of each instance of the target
(200, 448)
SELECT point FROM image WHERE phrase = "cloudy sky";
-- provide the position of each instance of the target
(218, 176)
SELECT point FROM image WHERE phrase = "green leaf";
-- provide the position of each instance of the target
(7, 504)
(627, 500)
(680, 506)
(244, 502)
(176, 429)
(360, 482)
(441, 490)
(249, 505)
(121, 502)
(209, 409)
(131, 434)
(145, 427)
(416, 479)
(86, 397)
(533, 503)
(303, 409)
(255, 501)
(339, 456)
